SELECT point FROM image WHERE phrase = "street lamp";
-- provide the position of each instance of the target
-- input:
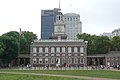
(86, 42)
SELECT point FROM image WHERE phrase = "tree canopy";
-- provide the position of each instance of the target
(11, 42)
(100, 44)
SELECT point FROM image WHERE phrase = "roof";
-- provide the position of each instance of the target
(113, 53)
(109, 54)
(71, 14)
(97, 55)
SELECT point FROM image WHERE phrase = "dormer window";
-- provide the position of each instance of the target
(59, 17)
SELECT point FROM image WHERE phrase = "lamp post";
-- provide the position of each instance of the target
(86, 42)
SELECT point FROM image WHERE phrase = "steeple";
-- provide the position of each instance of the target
(59, 27)
(59, 4)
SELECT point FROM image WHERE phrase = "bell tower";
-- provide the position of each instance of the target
(59, 27)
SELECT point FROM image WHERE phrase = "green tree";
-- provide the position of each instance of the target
(25, 41)
(96, 44)
(10, 49)
(103, 44)
(116, 43)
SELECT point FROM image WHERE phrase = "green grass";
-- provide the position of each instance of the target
(31, 77)
(89, 73)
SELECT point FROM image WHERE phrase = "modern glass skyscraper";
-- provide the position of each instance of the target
(48, 18)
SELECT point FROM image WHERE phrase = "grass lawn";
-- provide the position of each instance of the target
(89, 73)
(31, 77)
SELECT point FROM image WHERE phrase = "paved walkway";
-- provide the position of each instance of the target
(58, 75)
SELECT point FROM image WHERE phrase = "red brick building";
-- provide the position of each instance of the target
(58, 53)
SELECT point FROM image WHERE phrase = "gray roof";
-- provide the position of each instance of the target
(109, 54)
(71, 14)
(113, 54)
(58, 42)
(97, 55)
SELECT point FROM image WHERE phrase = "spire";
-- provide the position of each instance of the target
(59, 4)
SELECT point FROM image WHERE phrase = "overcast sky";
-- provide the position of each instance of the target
(97, 16)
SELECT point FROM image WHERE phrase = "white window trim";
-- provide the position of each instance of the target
(58, 49)
(40, 49)
(69, 49)
(46, 49)
(52, 49)
(34, 49)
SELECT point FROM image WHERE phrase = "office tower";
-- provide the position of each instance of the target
(73, 25)
(47, 22)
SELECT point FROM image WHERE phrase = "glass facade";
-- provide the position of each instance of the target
(48, 18)
(47, 26)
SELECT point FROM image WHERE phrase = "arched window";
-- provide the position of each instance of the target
(76, 60)
(81, 60)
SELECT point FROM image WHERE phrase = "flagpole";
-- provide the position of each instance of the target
(19, 47)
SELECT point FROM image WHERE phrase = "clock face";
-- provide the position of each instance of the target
(59, 29)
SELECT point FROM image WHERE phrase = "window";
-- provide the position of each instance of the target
(75, 60)
(34, 50)
(40, 61)
(81, 60)
(69, 49)
(69, 60)
(76, 19)
(58, 60)
(34, 61)
(40, 49)
(59, 17)
(65, 19)
(46, 49)
(58, 50)
(52, 60)
(52, 50)
(63, 60)
(81, 50)
(68, 19)
(46, 61)
(75, 49)
(63, 49)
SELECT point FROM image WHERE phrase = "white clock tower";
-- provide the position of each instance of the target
(59, 27)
